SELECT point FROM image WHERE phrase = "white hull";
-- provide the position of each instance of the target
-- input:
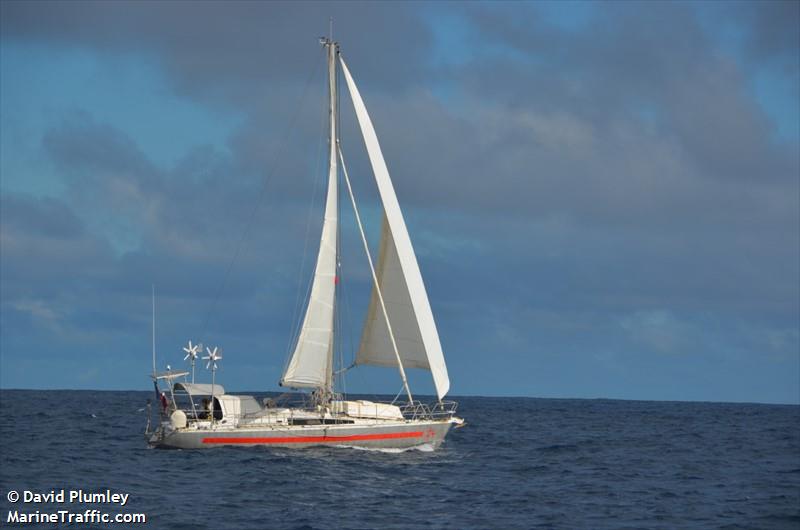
(383, 434)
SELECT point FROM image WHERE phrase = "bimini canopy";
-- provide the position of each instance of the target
(199, 389)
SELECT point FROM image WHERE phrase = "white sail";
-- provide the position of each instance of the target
(375, 347)
(399, 278)
(311, 363)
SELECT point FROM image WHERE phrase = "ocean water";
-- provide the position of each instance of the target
(519, 463)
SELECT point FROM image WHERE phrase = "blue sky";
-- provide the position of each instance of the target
(603, 196)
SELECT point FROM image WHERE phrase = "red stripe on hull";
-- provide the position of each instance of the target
(313, 439)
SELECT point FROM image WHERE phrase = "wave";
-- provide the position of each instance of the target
(424, 448)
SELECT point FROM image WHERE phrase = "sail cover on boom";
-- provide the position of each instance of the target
(399, 278)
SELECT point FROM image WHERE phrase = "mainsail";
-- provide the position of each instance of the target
(399, 279)
(311, 363)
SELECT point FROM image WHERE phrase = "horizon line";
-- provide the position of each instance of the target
(598, 398)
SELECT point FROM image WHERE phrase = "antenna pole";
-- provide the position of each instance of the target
(154, 327)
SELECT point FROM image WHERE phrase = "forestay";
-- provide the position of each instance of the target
(399, 278)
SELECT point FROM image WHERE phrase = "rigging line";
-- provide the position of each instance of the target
(349, 318)
(298, 327)
(340, 290)
(345, 316)
(154, 328)
(281, 147)
(345, 293)
(348, 368)
(398, 395)
(296, 321)
(346, 319)
(375, 281)
(337, 321)
(340, 324)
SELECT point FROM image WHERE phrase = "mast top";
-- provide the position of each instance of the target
(328, 41)
(325, 41)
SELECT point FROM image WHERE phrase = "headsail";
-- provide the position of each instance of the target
(311, 363)
(399, 278)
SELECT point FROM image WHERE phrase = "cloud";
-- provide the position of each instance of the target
(231, 52)
(575, 191)
(771, 29)
(661, 331)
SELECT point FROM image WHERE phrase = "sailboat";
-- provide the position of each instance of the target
(399, 332)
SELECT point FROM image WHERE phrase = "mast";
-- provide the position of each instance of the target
(332, 190)
(311, 364)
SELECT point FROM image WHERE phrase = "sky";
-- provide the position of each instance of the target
(604, 197)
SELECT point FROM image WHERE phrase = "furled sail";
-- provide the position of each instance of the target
(311, 363)
(399, 278)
